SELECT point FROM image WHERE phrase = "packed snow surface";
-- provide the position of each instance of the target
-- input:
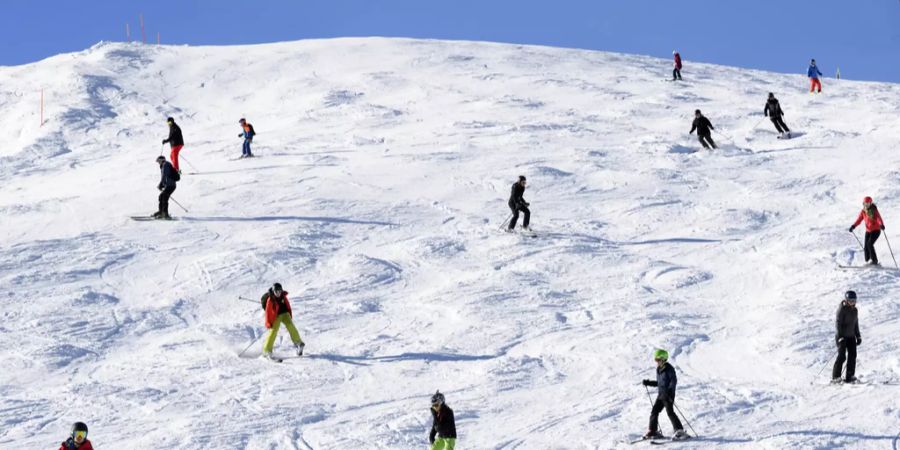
(384, 171)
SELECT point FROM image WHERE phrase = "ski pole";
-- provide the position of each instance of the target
(685, 419)
(649, 397)
(724, 135)
(251, 344)
(188, 162)
(179, 204)
(505, 221)
(889, 248)
(240, 297)
(826, 364)
(162, 148)
(860, 242)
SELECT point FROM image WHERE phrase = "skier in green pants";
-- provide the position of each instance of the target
(443, 426)
(278, 312)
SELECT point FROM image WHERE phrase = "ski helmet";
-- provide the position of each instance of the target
(277, 287)
(697, 112)
(867, 200)
(242, 120)
(170, 120)
(850, 296)
(437, 398)
(771, 95)
(521, 177)
(661, 354)
(160, 159)
(674, 52)
(79, 427)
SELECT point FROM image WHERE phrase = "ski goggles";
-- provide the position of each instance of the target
(79, 435)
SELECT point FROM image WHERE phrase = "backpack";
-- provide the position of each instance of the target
(176, 176)
(263, 300)
(252, 131)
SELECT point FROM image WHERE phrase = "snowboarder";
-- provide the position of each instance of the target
(703, 127)
(517, 203)
(247, 134)
(847, 338)
(676, 73)
(874, 227)
(168, 180)
(814, 74)
(774, 112)
(666, 380)
(175, 141)
(278, 312)
(78, 440)
(443, 425)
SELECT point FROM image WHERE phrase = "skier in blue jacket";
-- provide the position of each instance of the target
(666, 381)
(814, 74)
(247, 134)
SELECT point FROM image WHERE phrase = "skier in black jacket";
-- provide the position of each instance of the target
(443, 425)
(703, 125)
(175, 141)
(847, 338)
(666, 381)
(167, 183)
(774, 112)
(517, 203)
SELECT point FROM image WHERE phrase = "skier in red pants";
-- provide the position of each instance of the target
(175, 140)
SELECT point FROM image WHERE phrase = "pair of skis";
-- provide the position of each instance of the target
(659, 440)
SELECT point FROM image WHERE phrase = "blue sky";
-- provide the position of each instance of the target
(862, 37)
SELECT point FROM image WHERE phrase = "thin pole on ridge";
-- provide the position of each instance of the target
(127, 32)
(143, 33)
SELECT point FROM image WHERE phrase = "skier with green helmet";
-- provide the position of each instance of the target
(666, 380)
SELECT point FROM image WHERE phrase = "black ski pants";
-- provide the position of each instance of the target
(704, 138)
(676, 74)
(846, 352)
(164, 199)
(869, 248)
(779, 124)
(669, 406)
(515, 218)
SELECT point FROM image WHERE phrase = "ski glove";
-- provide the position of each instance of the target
(165, 140)
(648, 383)
(851, 229)
(882, 228)
(858, 340)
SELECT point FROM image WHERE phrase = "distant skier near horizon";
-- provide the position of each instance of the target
(676, 73)
(443, 424)
(167, 184)
(77, 439)
(703, 127)
(773, 111)
(247, 134)
(175, 141)
(278, 312)
(874, 227)
(847, 338)
(813, 73)
(666, 382)
(517, 203)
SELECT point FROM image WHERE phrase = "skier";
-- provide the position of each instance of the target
(703, 125)
(874, 227)
(443, 425)
(847, 338)
(169, 178)
(676, 73)
(774, 112)
(278, 312)
(78, 440)
(814, 74)
(517, 203)
(175, 141)
(666, 380)
(247, 134)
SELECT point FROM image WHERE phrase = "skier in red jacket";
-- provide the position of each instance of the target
(278, 312)
(874, 226)
(676, 73)
(78, 440)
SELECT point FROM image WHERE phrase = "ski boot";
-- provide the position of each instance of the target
(300, 348)
(653, 434)
(851, 380)
(837, 380)
(267, 355)
(680, 435)
(156, 215)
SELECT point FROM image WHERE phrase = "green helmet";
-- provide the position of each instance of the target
(661, 354)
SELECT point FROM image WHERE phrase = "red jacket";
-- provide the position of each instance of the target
(86, 445)
(272, 309)
(678, 61)
(873, 223)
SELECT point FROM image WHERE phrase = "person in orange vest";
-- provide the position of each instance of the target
(278, 312)
(247, 134)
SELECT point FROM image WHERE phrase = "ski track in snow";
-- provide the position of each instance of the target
(384, 169)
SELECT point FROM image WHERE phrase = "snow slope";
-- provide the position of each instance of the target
(384, 172)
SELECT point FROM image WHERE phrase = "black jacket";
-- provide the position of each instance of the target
(847, 323)
(443, 424)
(666, 381)
(702, 125)
(174, 138)
(515, 195)
(773, 108)
(169, 177)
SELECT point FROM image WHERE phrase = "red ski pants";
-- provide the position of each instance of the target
(174, 156)
(814, 83)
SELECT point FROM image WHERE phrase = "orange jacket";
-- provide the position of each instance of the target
(272, 308)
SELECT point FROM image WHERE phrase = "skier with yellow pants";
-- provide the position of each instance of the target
(278, 312)
(443, 426)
